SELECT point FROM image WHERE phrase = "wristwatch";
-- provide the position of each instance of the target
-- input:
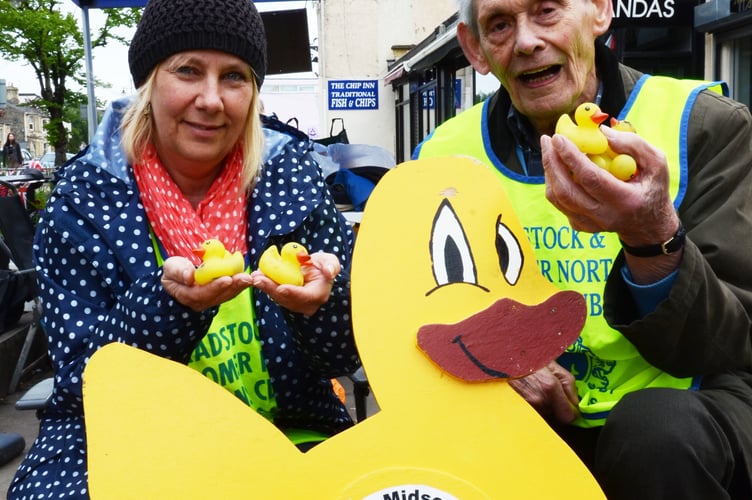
(671, 245)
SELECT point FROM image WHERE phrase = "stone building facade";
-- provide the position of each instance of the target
(25, 122)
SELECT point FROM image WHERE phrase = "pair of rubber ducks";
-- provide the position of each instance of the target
(585, 133)
(283, 267)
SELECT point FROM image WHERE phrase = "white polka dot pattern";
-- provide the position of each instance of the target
(100, 283)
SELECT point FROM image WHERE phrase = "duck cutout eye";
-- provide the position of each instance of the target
(451, 257)
(510, 253)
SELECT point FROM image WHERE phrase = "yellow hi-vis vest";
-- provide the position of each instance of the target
(230, 355)
(605, 364)
(230, 352)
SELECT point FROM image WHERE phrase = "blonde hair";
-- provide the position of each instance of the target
(137, 130)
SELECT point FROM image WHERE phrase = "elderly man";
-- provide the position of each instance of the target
(656, 394)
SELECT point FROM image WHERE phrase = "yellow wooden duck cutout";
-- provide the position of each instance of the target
(216, 261)
(455, 256)
(584, 131)
(283, 266)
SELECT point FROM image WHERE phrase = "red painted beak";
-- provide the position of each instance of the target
(507, 340)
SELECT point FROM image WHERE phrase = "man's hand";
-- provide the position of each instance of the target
(640, 211)
(551, 391)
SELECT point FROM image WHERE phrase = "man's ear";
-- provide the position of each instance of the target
(604, 12)
(471, 47)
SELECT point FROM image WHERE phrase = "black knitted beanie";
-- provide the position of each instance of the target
(171, 26)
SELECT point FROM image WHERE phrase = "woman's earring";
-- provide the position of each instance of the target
(147, 110)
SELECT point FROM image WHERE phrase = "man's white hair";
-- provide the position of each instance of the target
(466, 15)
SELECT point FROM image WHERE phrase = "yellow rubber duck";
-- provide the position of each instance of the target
(216, 261)
(584, 131)
(621, 166)
(460, 260)
(283, 266)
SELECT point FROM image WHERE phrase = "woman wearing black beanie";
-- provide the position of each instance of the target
(186, 160)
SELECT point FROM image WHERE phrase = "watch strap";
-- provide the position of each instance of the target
(673, 244)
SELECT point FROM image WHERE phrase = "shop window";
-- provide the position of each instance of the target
(404, 147)
(741, 77)
(665, 50)
(735, 59)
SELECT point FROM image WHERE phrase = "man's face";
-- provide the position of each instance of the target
(542, 52)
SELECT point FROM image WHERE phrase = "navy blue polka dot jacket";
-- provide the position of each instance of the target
(100, 283)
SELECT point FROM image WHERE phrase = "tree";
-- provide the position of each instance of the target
(50, 41)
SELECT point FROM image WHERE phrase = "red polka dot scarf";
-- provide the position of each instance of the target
(180, 227)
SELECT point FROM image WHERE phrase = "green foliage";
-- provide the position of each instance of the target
(39, 33)
(36, 200)
(79, 130)
(481, 96)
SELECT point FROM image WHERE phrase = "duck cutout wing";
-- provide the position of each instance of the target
(216, 261)
(436, 435)
(158, 429)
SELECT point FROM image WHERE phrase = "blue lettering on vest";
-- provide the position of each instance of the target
(228, 372)
(245, 333)
(209, 372)
(578, 271)
(533, 236)
(262, 362)
(594, 301)
(243, 360)
(550, 238)
(576, 243)
(229, 339)
(215, 344)
(200, 352)
(242, 394)
(576, 362)
(261, 384)
(545, 269)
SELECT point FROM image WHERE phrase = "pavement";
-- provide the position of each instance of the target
(20, 422)
(26, 423)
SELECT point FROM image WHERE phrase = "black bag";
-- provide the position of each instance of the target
(338, 138)
(290, 123)
(273, 123)
(13, 292)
